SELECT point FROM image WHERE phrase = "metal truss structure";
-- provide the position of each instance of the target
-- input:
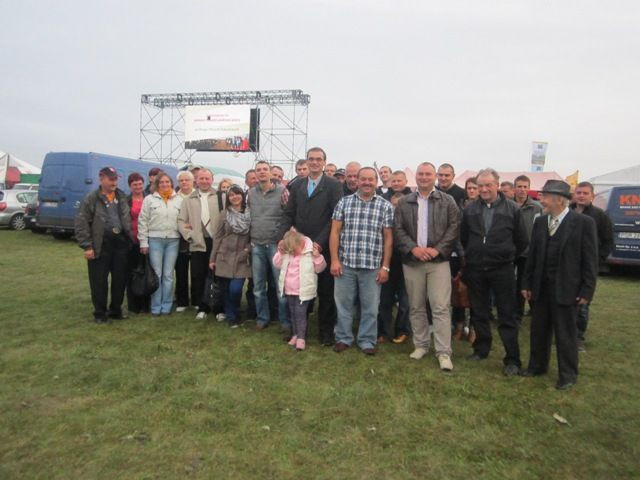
(284, 120)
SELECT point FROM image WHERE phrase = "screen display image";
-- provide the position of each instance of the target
(220, 128)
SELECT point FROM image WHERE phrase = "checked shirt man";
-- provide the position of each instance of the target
(361, 244)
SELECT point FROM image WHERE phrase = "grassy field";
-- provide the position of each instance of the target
(174, 397)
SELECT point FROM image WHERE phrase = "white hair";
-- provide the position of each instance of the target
(185, 173)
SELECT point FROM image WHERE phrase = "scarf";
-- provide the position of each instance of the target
(166, 194)
(239, 222)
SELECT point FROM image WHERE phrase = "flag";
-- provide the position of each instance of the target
(572, 180)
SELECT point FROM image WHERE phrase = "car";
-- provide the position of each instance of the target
(26, 186)
(30, 217)
(12, 205)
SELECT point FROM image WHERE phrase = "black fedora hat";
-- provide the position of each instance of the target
(557, 187)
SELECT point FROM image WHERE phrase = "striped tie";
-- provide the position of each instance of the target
(553, 226)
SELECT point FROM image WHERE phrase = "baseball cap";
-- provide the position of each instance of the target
(109, 172)
(340, 172)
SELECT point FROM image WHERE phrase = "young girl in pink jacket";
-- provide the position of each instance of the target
(299, 263)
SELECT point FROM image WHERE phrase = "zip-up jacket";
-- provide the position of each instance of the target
(502, 243)
(529, 210)
(442, 231)
(91, 218)
(158, 219)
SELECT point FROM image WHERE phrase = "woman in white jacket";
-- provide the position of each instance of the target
(160, 239)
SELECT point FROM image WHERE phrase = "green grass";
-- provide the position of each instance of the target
(174, 397)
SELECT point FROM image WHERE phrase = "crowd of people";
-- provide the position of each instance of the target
(364, 244)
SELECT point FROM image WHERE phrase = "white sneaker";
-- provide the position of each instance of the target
(181, 309)
(418, 353)
(221, 317)
(201, 315)
(445, 362)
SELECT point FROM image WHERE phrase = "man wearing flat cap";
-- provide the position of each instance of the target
(560, 275)
(103, 231)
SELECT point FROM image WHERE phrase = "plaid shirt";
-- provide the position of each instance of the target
(361, 239)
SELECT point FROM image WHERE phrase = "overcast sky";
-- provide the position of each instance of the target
(469, 83)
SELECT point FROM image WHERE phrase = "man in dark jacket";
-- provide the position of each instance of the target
(394, 291)
(529, 210)
(560, 275)
(583, 197)
(103, 231)
(493, 236)
(350, 185)
(446, 175)
(398, 184)
(310, 209)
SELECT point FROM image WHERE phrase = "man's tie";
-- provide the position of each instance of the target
(311, 185)
(553, 226)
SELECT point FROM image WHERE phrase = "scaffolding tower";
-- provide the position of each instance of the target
(282, 130)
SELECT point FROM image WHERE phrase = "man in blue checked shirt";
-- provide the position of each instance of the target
(361, 243)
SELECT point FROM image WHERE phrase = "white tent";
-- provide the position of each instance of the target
(9, 160)
(626, 176)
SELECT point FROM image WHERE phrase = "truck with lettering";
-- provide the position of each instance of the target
(622, 205)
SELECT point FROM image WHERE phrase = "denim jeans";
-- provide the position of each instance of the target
(261, 264)
(352, 283)
(232, 296)
(163, 253)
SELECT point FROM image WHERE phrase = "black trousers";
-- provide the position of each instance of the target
(182, 280)
(501, 280)
(199, 271)
(251, 300)
(135, 303)
(392, 291)
(112, 261)
(457, 313)
(521, 262)
(548, 319)
(327, 313)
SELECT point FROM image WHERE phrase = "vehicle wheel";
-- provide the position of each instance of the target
(62, 235)
(17, 222)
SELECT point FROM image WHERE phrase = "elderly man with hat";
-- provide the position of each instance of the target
(560, 275)
(103, 231)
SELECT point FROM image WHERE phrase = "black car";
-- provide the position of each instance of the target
(30, 214)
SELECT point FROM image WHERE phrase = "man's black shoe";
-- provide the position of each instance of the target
(530, 373)
(511, 370)
(475, 357)
(101, 320)
(565, 385)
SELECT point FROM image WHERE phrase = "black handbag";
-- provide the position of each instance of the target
(213, 295)
(144, 280)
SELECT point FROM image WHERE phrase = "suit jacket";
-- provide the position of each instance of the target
(578, 259)
(311, 216)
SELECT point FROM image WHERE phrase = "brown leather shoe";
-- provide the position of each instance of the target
(340, 347)
(381, 339)
(459, 332)
(369, 351)
(400, 339)
(472, 336)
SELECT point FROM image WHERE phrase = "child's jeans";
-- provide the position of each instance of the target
(298, 315)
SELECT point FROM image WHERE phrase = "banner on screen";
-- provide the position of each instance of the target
(538, 156)
(220, 128)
